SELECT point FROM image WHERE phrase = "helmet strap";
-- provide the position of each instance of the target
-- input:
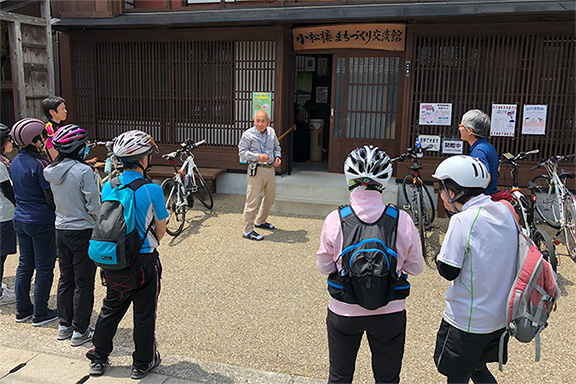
(451, 200)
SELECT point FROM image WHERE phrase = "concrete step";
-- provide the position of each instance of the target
(303, 193)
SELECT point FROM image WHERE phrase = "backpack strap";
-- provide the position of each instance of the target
(134, 185)
(516, 217)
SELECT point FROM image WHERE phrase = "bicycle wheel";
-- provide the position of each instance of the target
(176, 206)
(412, 196)
(547, 201)
(429, 211)
(546, 247)
(570, 224)
(202, 192)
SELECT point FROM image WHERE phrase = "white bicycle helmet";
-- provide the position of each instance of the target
(465, 171)
(132, 146)
(368, 167)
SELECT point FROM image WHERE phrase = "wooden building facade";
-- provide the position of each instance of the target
(187, 69)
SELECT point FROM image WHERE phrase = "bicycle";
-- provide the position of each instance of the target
(525, 209)
(556, 204)
(112, 166)
(186, 182)
(418, 200)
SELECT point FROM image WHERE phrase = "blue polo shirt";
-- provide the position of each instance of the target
(27, 174)
(486, 153)
(149, 206)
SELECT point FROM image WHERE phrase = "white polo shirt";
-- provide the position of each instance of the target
(482, 241)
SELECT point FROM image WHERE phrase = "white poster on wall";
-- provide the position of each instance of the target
(435, 114)
(534, 120)
(430, 142)
(452, 146)
(503, 120)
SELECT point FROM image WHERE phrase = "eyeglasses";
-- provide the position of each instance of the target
(466, 128)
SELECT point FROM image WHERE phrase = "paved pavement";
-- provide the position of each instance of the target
(43, 360)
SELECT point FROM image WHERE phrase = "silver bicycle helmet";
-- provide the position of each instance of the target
(69, 138)
(25, 130)
(132, 146)
(465, 171)
(367, 167)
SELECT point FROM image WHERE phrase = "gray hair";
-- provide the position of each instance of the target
(478, 121)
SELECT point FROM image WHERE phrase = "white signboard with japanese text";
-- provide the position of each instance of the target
(435, 114)
(503, 120)
(534, 120)
(430, 142)
(452, 146)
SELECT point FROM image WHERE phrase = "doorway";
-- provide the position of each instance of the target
(366, 103)
(312, 112)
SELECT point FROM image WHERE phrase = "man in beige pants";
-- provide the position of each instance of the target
(259, 146)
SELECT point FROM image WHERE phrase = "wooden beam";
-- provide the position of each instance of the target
(15, 33)
(20, 4)
(17, 18)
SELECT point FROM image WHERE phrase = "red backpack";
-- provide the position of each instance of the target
(532, 296)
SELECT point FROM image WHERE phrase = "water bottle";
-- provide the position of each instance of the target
(418, 148)
(108, 165)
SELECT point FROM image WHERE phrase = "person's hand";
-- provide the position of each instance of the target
(262, 158)
(277, 162)
(93, 160)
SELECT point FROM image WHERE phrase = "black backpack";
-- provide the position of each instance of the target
(368, 276)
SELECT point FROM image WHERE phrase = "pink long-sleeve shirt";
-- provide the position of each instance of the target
(369, 207)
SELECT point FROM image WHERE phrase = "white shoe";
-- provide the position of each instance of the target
(8, 297)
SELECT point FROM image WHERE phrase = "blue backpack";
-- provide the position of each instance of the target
(115, 242)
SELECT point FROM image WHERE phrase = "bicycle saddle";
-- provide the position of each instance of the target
(415, 167)
(533, 186)
(567, 175)
(169, 156)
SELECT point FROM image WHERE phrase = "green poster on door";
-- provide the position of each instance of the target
(262, 100)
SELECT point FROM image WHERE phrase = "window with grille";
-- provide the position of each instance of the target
(174, 90)
(476, 72)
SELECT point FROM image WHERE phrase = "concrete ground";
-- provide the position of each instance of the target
(237, 311)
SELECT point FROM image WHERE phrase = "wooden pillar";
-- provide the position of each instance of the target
(15, 35)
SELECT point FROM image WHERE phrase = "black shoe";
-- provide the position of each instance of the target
(97, 368)
(23, 316)
(265, 226)
(49, 316)
(138, 373)
(253, 236)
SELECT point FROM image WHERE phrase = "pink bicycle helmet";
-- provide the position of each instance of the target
(25, 130)
(69, 138)
(132, 146)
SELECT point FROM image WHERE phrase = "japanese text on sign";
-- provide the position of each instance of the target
(390, 37)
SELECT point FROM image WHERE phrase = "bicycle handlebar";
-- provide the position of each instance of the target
(553, 160)
(410, 154)
(508, 158)
(188, 145)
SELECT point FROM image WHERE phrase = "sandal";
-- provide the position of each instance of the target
(253, 236)
(265, 226)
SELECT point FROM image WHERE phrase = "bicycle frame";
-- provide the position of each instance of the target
(557, 188)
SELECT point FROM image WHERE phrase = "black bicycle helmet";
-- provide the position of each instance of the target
(69, 138)
(4, 134)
